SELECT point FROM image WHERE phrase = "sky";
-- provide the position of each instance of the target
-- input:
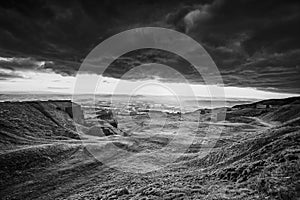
(254, 44)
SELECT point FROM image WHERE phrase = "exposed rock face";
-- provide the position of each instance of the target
(41, 121)
(101, 131)
(107, 115)
(74, 110)
(96, 131)
(104, 114)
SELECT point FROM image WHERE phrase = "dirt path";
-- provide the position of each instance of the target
(267, 124)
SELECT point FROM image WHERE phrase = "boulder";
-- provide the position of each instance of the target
(101, 131)
(96, 131)
(107, 115)
(113, 122)
(104, 114)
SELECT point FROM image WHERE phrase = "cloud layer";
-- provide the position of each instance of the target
(254, 43)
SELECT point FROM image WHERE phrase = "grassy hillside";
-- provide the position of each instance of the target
(34, 122)
(257, 156)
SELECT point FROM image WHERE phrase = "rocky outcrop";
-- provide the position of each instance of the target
(103, 130)
(107, 115)
(72, 109)
(32, 122)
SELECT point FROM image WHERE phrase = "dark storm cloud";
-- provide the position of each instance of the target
(175, 65)
(19, 64)
(70, 29)
(254, 43)
(249, 40)
(64, 32)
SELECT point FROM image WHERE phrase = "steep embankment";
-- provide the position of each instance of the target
(34, 122)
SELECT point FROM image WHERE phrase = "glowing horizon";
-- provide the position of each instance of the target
(55, 83)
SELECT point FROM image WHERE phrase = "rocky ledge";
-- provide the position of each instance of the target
(30, 122)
